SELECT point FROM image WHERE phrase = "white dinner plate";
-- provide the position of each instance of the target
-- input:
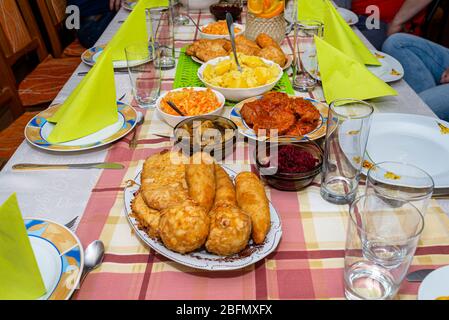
(286, 66)
(413, 139)
(390, 70)
(38, 130)
(90, 56)
(129, 5)
(203, 259)
(59, 255)
(435, 285)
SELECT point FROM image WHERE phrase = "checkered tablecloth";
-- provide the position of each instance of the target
(308, 264)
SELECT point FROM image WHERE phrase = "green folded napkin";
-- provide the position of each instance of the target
(336, 31)
(344, 77)
(20, 278)
(133, 30)
(91, 107)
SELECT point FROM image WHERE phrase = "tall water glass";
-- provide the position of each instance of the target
(380, 245)
(162, 35)
(348, 127)
(399, 183)
(181, 11)
(305, 73)
(144, 73)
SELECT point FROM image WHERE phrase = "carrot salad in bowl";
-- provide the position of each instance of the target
(191, 102)
(218, 28)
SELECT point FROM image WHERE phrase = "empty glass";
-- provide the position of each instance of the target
(348, 127)
(305, 72)
(162, 35)
(400, 183)
(180, 11)
(144, 73)
(380, 245)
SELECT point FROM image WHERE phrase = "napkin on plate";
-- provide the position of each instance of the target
(133, 30)
(336, 31)
(344, 77)
(91, 107)
(20, 278)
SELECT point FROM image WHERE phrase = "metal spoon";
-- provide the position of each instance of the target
(230, 23)
(174, 107)
(93, 257)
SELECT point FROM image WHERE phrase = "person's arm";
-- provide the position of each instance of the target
(409, 9)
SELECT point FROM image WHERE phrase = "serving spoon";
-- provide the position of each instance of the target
(230, 23)
(174, 107)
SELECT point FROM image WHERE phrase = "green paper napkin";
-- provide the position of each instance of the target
(91, 107)
(336, 31)
(344, 77)
(133, 30)
(20, 278)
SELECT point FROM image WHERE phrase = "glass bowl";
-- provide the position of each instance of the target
(211, 134)
(283, 180)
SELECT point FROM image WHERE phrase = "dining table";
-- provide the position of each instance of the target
(307, 264)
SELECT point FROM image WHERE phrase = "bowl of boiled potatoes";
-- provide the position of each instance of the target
(257, 77)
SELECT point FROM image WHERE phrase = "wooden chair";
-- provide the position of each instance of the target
(19, 38)
(53, 15)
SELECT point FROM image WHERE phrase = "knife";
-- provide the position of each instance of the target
(99, 165)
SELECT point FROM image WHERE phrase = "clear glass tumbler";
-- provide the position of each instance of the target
(305, 72)
(380, 245)
(399, 183)
(162, 35)
(144, 73)
(348, 127)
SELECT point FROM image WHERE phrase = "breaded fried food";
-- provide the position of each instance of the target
(184, 228)
(148, 218)
(163, 182)
(230, 229)
(224, 188)
(206, 49)
(251, 198)
(246, 46)
(273, 54)
(200, 177)
(264, 41)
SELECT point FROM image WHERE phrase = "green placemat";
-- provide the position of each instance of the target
(187, 69)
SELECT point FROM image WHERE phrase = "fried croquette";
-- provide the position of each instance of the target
(251, 198)
(163, 181)
(200, 177)
(147, 217)
(224, 188)
(230, 230)
(184, 228)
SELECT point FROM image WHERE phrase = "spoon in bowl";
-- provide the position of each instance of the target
(174, 107)
(230, 23)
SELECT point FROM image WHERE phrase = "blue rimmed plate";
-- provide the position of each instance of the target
(90, 56)
(38, 130)
(244, 128)
(129, 4)
(59, 255)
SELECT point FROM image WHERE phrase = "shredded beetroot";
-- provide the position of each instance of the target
(295, 160)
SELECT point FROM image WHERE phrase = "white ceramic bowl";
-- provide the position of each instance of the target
(221, 36)
(199, 4)
(173, 120)
(237, 94)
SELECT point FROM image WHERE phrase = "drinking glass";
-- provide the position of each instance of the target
(380, 245)
(162, 35)
(400, 183)
(144, 73)
(348, 127)
(180, 11)
(305, 73)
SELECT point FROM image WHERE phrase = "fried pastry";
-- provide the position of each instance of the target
(224, 188)
(147, 217)
(274, 54)
(184, 228)
(163, 182)
(200, 177)
(265, 41)
(230, 229)
(251, 198)
(206, 49)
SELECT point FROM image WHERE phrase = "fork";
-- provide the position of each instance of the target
(71, 223)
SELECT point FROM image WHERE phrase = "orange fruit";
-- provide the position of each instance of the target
(255, 6)
(275, 10)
